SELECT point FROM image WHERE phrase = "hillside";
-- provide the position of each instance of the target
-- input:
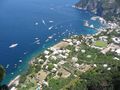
(107, 8)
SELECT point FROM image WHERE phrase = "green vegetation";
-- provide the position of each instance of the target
(2, 73)
(98, 79)
(77, 66)
(57, 84)
(76, 84)
(50, 66)
(96, 57)
(100, 44)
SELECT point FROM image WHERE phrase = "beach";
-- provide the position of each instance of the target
(61, 45)
(15, 81)
(34, 28)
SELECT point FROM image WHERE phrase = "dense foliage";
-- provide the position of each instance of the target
(2, 73)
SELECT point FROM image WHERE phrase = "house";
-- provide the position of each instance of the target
(13, 88)
(116, 40)
(105, 65)
(46, 52)
(83, 51)
(47, 56)
(76, 65)
(115, 58)
(45, 83)
(95, 65)
(103, 38)
(54, 57)
(78, 43)
(118, 51)
(74, 59)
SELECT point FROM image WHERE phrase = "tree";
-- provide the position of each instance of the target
(50, 66)
(2, 73)
(4, 87)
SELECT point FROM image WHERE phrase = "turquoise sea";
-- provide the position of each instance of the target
(27, 27)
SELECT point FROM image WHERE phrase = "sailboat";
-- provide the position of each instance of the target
(43, 21)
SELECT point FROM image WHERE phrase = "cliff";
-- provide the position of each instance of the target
(106, 8)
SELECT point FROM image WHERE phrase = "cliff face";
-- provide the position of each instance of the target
(106, 8)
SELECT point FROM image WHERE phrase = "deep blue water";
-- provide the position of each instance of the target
(21, 21)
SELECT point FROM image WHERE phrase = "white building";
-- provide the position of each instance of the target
(116, 40)
(118, 51)
(105, 65)
(46, 52)
(74, 59)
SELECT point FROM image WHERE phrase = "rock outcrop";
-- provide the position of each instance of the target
(106, 8)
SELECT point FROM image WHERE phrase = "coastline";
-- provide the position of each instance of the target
(15, 81)
(16, 71)
(60, 44)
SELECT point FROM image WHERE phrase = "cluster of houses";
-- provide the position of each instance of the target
(57, 56)
(114, 46)
(60, 55)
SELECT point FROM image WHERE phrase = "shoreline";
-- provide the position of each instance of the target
(32, 59)
(15, 81)
(60, 44)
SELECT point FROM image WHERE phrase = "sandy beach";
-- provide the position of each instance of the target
(14, 82)
(61, 44)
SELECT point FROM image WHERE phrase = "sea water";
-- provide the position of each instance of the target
(27, 27)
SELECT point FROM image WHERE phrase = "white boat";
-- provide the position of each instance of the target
(46, 40)
(55, 39)
(67, 30)
(12, 73)
(25, 53)
(20, 61)
(86, 23)
(92, 26)
(50, 27)
(37, 41)
(63, 33)
(36, 38)
(43, 21)
(7, 66)
(50, 37)
(36, 23)
(54, 34)
(56, 27)
(13, 45)
(51, 21)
